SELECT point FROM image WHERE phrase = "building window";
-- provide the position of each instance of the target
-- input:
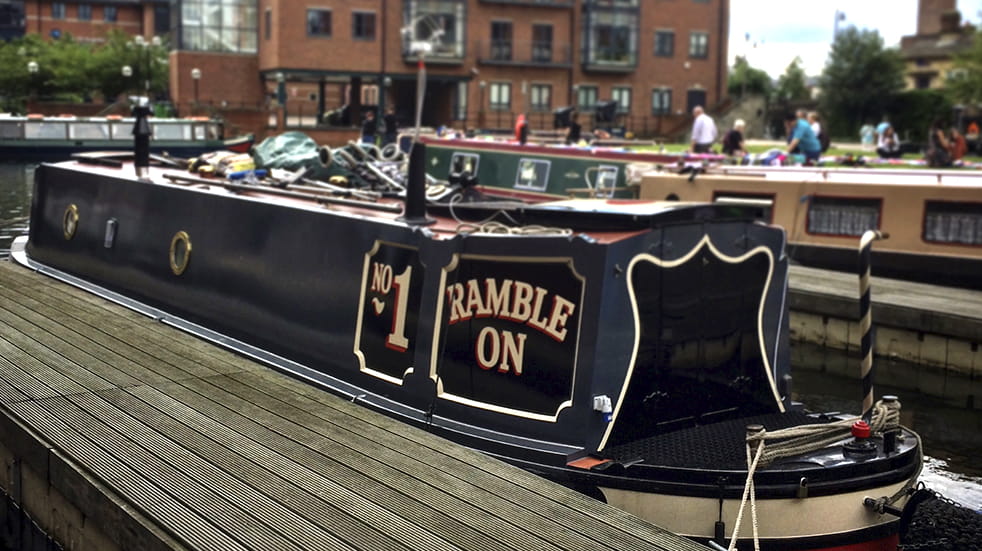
(540, 97)
(839, 216)
(586, 98)
(698, 44)
(611, 34)
(58, 10)
(542, 43)
(363, 25)
(500, 96)
(501, 40)
(319, 23)
(268, 24)
(622, 95)
(161, 19)
(664, 43)
(426, 17)
(922, 82)
(85, 12)
(661, 101)
(227, 26)
(956, 223)
(109, 14)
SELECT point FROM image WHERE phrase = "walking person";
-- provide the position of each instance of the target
(703, 131)
(369, 127)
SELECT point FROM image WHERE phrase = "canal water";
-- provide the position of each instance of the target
(950, 427)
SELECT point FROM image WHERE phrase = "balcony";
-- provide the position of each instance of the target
(517, 53)
(610, 60)
(535, 3)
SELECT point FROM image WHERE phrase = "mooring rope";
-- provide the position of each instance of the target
(802, 439)
(866, 319)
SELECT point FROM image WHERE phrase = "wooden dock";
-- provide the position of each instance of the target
(118, 432)
(931, 325)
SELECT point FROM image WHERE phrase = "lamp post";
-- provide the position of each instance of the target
(195, 78)
(480, 105)
(32, 69)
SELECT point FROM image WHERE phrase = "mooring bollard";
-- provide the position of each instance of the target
(866, 318)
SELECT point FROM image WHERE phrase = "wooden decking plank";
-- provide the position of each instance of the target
(119, 323)
(83, 368)
(393, 511)
(198, 499)
(378, 458)
(172, 454)
(142, 494)
(531, 490)
(30, 375)
(124, 344)
(265, 468)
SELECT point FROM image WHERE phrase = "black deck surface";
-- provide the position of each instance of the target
(187, 446)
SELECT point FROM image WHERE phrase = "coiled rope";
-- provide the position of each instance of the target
(803, 439)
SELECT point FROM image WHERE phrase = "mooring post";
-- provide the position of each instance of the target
(866, 319)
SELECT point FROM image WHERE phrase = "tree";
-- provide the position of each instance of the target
(791, 85)
(744, 79)
(964, 83)
(859, 82)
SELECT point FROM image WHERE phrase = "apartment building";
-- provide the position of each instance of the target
(89, 21)
(324, 62)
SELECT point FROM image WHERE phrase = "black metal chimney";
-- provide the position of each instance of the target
(415, 213)
(141, 138)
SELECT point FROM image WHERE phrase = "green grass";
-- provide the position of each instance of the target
(833, 151)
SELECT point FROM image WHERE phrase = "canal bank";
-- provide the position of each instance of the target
(937, 328)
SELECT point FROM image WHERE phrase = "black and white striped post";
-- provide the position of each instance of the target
(866, 318)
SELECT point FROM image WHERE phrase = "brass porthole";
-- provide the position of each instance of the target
(69, 222)
(180, 252)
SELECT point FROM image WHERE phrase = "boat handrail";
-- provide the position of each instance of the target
(853, 175)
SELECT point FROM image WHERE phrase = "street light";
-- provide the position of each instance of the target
(480, 110)
(195, 77)
(33, 68)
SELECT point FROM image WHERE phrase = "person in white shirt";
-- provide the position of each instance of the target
(703, 130)
(815, 124)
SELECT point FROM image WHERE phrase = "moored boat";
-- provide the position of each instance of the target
(933, 217)
(538, 172)
(44, 138)
(620, 347)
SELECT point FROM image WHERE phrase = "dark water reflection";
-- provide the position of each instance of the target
(16, 181)
(825, 380)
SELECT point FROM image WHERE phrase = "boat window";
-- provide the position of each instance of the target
(45, 130)
(122, 130)
(89, 131)
(605, 181)
(532, 174)
(181, 131)
(843, 215)
(11, 129)
(763, 200)
(461, 163)
(956, 223)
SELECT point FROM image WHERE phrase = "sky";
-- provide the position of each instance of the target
(779, 30)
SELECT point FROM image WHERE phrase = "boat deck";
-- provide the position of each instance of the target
(119, 432)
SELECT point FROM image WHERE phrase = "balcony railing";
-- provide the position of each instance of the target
(451, 52)
(610, 59)
(523, 53)
(536, 3)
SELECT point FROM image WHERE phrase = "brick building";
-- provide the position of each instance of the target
(324, 63)
(940, 36)
(89, 21)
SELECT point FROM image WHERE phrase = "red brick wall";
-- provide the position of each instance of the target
(232, 78)
(929, 15)
(129, 19)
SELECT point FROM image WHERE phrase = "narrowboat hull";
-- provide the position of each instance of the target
(934, 221)
(579, 347)
(537, 172)
(57, 150)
